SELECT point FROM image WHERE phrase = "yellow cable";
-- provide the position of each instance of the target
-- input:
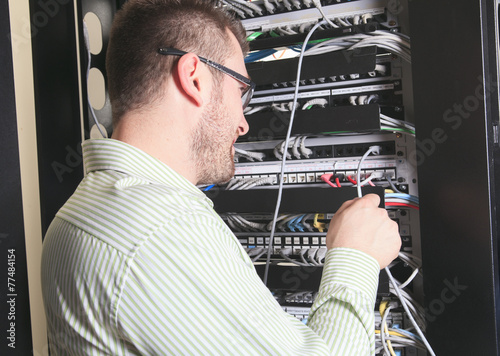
(391, 350)
(391, 332)
(317, 224)
(382, 307)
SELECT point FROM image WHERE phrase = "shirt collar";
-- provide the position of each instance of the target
(110, 154)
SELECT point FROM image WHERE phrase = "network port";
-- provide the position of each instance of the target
(358, 149)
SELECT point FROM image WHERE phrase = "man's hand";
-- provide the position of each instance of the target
(360, 224)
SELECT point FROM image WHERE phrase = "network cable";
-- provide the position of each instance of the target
(283, 162)
(389, 274)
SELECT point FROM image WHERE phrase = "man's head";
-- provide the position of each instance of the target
(173, 105)
(136, 73)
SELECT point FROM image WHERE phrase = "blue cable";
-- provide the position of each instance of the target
(255, 56)
(406, 332)
(208, 188)
(290, 224)
(404, 196)
(299, 225)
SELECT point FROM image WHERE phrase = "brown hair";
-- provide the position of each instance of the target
(135, 70)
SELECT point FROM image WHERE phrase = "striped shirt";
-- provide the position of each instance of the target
(137, 262)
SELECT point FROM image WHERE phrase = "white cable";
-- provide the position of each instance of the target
(382, 330)
(366, 17)
(295, 148)
(232, 182)
(296, 3)
(410, 316)
(382, 69)
(235, 8)
(287, 4)
(307, 3)
(374, 149)
(389, 274)
(320, 256)
(237, 222)
(258, 182)
(305, 224)
(408, 281)
(395, 43)
(284, 149)
(259, 156)
(306, 152)
(371, 98)
(270, 225)
(279, 107)
(362, 99)
(283, 162)
(311, 253)
(317, 3)
(250, 110)
(254, 225)
(410, 259)
(240, 183)
(251, 5)
(343, 22)
(285, 256)
(269, 7)
(277, 3)
(232, 225)
(242, 5)
(317, 101)
(398, 122)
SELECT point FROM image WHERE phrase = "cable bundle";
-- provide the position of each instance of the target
(393, 42)
(299, 149)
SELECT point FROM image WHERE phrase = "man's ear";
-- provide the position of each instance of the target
(192, 77)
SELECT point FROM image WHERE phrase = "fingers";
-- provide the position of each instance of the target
(372, 199)
(360, 224)
(369, 200)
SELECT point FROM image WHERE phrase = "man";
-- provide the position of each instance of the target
(138, 263)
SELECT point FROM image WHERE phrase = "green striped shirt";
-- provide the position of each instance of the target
(137, 262)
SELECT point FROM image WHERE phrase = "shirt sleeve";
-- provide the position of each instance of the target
(343, 312)
(191, 290)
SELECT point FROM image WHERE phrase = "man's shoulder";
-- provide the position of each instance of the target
(119, 207)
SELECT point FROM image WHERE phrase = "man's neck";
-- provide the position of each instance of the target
(167, 143)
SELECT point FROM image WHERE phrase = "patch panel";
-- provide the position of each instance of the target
(350, 62)
(315, 177)
(322, 166)
(387, 148)
(294, 16)
(329, 88)
(307, 239)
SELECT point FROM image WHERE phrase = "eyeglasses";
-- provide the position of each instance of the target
(246, 95)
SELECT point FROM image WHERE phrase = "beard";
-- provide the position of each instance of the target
(212, 142)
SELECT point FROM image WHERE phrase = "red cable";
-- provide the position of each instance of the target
(402, 204)
(337, 181)
(326, 178)
(351, 180)
(371, 183)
